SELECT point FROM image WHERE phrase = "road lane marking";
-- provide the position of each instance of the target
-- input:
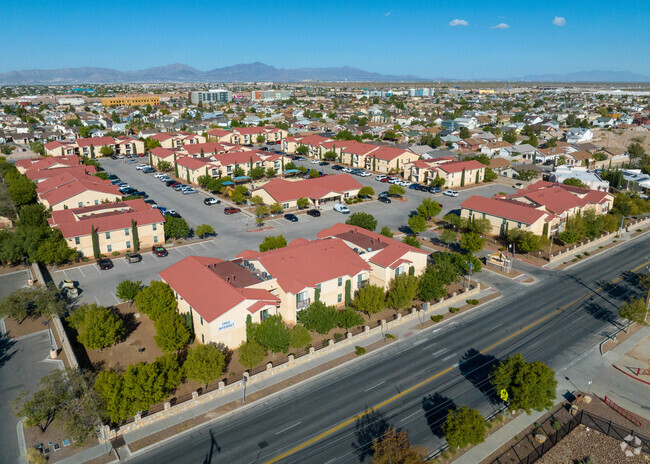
(447, 358)
(374, 386)
(393, 398)
(410, 415)
(439, 352)
(419, 342)
(290, 427)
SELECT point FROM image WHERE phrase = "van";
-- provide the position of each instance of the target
(341, 208)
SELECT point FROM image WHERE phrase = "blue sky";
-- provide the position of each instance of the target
(390, 37)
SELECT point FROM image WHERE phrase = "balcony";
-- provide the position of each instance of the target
(302, 304)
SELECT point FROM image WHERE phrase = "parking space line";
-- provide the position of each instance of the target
(179, 250)
(116, 298)
(64, 274)
(82, 272)
(96, 268)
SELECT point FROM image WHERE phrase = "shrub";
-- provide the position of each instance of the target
(390, 336)
(472, 301)
(326, 343)
(437, 317)
(586, 253)
(359, 350)
(116, 253)
(453, 309)
(556, 425)
(338, 337)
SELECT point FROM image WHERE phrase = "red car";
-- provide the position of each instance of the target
(159, 251)
(385, 180)
(231, 210)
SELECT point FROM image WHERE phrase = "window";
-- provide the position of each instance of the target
(264, 315)
(155, 227)
(155, 239)
(318, 287)
(201, 320)
(77, 241)
(339, 298)
(96, 202)
(128, 244)
(126, 232)
(340, 281)
(519, 225)
(398, 271)
(285, 205)
(483, 215)
(80, 204)
(109, 248)
(108, 235)
(360, 278)
(202, 338)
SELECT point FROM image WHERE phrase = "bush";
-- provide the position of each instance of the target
(473, 301)
(437, 317)
(116, 253)
(338, 336)
(359, 350)
(556, 425)
(453, 309)
(319, 317)
(390, 336)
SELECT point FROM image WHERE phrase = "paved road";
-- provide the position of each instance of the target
(569, 311)
(23, 362)
(232, 237)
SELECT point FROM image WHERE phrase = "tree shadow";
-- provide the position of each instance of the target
(130, 324)
(436, 408)
(368, 428)
(6, 344)
(405, 229)
(600, 313)
(476, 368)
(227, 354)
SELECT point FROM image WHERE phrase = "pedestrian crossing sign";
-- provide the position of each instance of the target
(504, 395)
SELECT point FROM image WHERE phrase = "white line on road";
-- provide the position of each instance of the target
(495, 326)
(116, 298)
(419, 342)
(179, 250)
(124, 259)
(82, 272)
(449, 357)
(410, 415)
(290, 427)
(97, 300)
(65, 275)
(374, 386)
(439, 352)
(96, 268)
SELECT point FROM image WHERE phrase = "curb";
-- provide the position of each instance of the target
(629, 375)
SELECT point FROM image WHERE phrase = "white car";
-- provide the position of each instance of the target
(405, 183)
(365, 174)
(315, 161)
(346, 169)
(450, 193)
(381, 177)
(164, 178)
(341, 208)
(120, 157)
(140, 167)
(188, 191)
(394, 180)
(158, 175)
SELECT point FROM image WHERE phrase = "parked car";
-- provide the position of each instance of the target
(314, 161)
(104, 264)
(151, 202)
(435, 190)
(291, 217)
(336, 167)
(189, 191)
(120, 157)
(159, 175)
(323, 163)
(365, 174)
(142, 194)
(148, 170)
(131, 161)
(171, 183)
(116, 181)
(341, 208)
(112, 177)
(179, 187)
(172, 213)
(346, 169)
(381, 177)
(231, 210)
(314, 213)
(211, 201)
(518, 185)
(133, 257)
(415, 186)
(141, 166)
(159, 251)
(450, 193)
(384, 199)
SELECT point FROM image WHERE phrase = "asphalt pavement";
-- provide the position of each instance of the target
(413, 382)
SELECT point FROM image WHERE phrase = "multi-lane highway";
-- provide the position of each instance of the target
(410, 384)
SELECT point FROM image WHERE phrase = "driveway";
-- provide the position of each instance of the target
(13, 281)
(23, 362)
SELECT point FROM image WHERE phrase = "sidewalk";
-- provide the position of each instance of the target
(402, 332)
(583, 370)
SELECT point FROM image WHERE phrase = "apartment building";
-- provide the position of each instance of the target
(211, 96)
(319, 191)
(131, 100)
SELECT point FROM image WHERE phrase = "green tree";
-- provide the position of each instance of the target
(95, 241)
(97, 326)
(370, 299)
(575, 182)
(411, 240)
(313, 173)
(319, 317)
(302, 203)
(135, 236)
(417, 224)
(363, 220)
(127, 290)
(176, 227)
(464, 426)
(156, 299)
(431, 286)
(37, 147)
(429, 209)
(471, 242)
(273, 334)
(393, 447)
(634, 311)
(261, 211)
(21, 190)
(510, 138)
(251, 354)
(302, 150)
(366, 192)
(529, 385)
(525, 241)
(403, 290)
(204, 230)
(636, 150)
(348, 292)
(277, 208)
(33, 302)
(270, 172)
(348, 318)
(53, 249)
(164, 166)
(448, 236)
(490, 175)
(272, 242)
(106, 150)
(299, 337)
(464, 133)
(386, 232)
(256, 200)
(204, 363)
(257, 172)
(330, 155)
(171, 332)
(396, 190)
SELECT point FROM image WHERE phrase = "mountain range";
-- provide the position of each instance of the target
(256, 72)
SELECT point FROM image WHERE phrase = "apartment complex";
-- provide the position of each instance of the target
(131, 100)
(270, 95)
(211, 96)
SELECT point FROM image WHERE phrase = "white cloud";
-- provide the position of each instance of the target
(387, 14)
(458, 22)
(559, 21)
(500, 26)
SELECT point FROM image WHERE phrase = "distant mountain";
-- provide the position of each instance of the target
(588, 76)
(182, 73)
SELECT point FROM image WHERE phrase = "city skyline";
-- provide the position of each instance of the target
(470, 40)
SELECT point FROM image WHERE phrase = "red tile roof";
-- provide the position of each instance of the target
(75, 171)
(237, 157)
(511, 210)
(193, 279)
(208, 148)
(556, 200)
(460, 165)
(390, 153)
(193, 163)
(304, 264)
(285, 190)
(161, 152)
(76, 222)
(95, 141)
(75, 187)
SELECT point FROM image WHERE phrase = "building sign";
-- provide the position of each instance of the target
(226, 325)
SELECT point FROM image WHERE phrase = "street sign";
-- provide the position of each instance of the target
(504, 395)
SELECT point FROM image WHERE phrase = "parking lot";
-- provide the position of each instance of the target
(237, 232)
